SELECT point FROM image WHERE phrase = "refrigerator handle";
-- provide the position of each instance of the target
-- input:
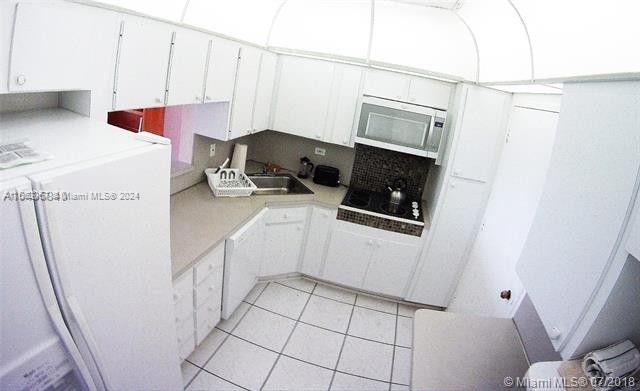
(82, 324)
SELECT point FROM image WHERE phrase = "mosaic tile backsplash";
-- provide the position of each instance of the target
(375, 168)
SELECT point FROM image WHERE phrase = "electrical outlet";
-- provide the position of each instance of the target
(212, 150)
(320, 151)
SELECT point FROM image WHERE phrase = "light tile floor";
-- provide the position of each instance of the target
(299, 334)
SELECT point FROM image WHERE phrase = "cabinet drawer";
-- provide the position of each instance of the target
(207, 317)
(284, 215)
(210, 263)
(183, 287)
(212, 285)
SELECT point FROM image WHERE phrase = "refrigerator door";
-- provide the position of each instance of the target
(106, 243)
(36, 349)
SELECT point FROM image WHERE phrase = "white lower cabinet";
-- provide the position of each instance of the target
(391, 267)
(183, 305)
(348, 257)
(283, 236)
(197, 296)
(318, 233)
(244, 251)
(208, 292)
(371, 259)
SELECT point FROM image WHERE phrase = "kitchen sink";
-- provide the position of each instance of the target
(270, 184)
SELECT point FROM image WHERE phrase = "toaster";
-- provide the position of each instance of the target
(327, 175)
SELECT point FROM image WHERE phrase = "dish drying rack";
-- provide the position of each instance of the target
(229, 182)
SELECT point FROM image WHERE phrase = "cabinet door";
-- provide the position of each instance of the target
(188, 62)
(283, 243)
(390, 267)
(348, 258)
(429, 92)
(481, 131)
(243, 253)
(304, 91)
(264, 93)
(385, 84)
(319, 229)
(221, 73)
(452, 233)
(344, 104)
(143, 59)
(50, 50)
(244, 93)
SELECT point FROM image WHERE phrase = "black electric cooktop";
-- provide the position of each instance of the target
(371, 201)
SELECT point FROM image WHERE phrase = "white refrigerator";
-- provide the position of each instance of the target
(85, 274)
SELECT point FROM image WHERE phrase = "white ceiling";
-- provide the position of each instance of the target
(476, 40)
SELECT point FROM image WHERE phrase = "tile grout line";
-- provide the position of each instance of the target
(222, 343)
(344, 340)
(327, 329)
(357, 305)
(304, 361)
(393, 355)
(264, 383)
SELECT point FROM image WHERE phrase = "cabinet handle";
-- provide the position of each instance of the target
(21, 80)
(318, 136)
(176, 297)
(299, 228)
(412, 99)
(286, 216)
(179, 340)
(210, 267)
(345, 142)
(211, 288)
(207, 97)
(158, 100)
(457, 172)
(378, 245)
(369, 242)
(453, 185)
(198, 99)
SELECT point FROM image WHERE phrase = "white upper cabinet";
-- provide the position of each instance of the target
(221, 73)
(186, 73)
(344, 104)
(244, 93)
(405, 88)
(481, 128)
(428, 92)
(143, 59)
(385, 84)
(52, 50)
(304, 91)
(264, 92)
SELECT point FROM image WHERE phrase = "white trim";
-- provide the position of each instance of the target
(273, 22)
(388, 217)
(526, 31)
(372, 19)
(475, 44)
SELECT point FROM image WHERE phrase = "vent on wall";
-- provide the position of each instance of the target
(447, 4)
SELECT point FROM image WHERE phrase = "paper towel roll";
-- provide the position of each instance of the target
(239, 157)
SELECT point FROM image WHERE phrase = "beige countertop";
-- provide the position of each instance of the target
(200, 221)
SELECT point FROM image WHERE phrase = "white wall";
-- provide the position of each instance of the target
(514, 198)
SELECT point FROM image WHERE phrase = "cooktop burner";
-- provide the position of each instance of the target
(359, 198)
(378, 203)
(392, 209)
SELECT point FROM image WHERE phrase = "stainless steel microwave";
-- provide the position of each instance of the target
(402, 127)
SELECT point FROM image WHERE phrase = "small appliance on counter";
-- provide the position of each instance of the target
(327, 176)
(306, 167)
